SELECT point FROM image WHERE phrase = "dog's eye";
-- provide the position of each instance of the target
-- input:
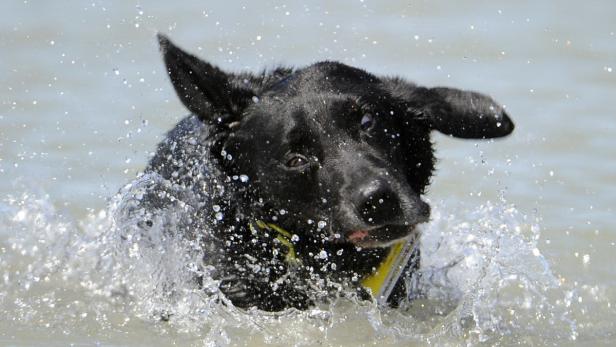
(367, 121)
(296, 161)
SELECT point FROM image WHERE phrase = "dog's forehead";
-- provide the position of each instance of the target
(322, 110)
(320, 98)
(281, 115)
(336, 72)
(305, 120)
(333, 77)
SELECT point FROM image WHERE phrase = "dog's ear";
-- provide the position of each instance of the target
(208, 92)
(454, 112)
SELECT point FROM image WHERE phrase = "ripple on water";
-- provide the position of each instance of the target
(483, 280)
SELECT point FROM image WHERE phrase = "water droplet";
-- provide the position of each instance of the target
(20, 216)
(244, 178)
(218, 215)
(294, 238)
(216, 208)
(321, 224)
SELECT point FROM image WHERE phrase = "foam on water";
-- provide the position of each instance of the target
(483, 280)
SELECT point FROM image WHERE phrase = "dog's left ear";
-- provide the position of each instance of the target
(455, 112)
(208, 92)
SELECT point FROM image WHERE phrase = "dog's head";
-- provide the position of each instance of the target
(331, 152)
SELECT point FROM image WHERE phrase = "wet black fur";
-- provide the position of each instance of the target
(366, 158)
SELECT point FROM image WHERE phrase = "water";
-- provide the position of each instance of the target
(520, 246)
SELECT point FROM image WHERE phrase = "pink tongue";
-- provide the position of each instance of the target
(358, 235)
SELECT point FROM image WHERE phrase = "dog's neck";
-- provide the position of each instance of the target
(381, 279)
(342, 261)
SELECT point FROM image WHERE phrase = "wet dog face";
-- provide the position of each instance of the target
(331, 151)
(328, 145)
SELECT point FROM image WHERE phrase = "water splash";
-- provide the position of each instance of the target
(483, 280)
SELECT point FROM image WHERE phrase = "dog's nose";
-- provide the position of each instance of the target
(378, 204)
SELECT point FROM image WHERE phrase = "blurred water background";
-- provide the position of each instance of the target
(84, 100)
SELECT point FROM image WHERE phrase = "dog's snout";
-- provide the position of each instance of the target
(378, 203)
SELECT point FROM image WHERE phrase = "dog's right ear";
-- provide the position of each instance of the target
(208, 92)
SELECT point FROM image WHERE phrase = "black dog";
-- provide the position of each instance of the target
(302, 179)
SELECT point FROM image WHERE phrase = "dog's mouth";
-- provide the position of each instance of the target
(379, 237)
